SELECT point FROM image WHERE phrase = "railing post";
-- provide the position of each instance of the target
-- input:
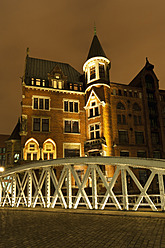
(13, 190)
(29, 189)
(47, 189)
(69, 188)
(94, 189)
(124, 189)
(161, 189)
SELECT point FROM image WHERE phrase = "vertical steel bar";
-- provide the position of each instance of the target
(13, 190)
(29, 189)
(47, 188)
(161, 189)
(94, 189)
(124, 188)
(69, 188)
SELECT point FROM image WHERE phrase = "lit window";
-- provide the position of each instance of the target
(71, 126)
(75, 87)
(32, 81)
(94, 131)
(71, 150)
(49, 150)
(32, 151)
(60, 85)
(38, 82)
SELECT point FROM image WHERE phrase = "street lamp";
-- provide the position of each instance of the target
(2, 169)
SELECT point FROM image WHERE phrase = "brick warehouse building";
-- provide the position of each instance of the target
(67, 114)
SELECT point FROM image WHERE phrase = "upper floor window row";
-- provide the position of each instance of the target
(71, 106)
(135, 106)
(128, 93)
(41, 103)
(38, 82)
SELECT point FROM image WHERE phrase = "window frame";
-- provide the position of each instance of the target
(44, 98)
(74, 104)
(71, 126)
(40, 124)
(94, 130)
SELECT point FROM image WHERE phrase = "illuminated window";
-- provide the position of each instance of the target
(92, 72)
(60, 85)
(49, 150)
(71, 106)
(71, 150)
(31, 150)
(71, 126)
(41, 103)
(38, 82)
(94, 131)
(75, 87)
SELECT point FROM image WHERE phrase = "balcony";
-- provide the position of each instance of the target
(94, 144)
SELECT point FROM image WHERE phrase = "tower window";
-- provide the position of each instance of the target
(92, 73)
(94, 130)
(94, 110)
(101, 71)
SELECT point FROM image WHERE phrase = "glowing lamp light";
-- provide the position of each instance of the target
(2, 169)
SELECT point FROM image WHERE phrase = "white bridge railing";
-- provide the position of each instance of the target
(40, 183)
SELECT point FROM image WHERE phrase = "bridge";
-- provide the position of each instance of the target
(40, 184)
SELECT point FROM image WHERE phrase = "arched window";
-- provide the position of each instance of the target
(49, 150)
(31, 150)
(120, 106)
(136, 107)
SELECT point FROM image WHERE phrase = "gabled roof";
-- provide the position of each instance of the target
(39, 68)
(137, 80)
(99, 93)
(96, 49)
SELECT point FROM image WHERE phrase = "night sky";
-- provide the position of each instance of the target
(129, 31)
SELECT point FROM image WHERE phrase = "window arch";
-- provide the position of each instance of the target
(31, 150)
(120, 106)
(136, 107)
(49, 149)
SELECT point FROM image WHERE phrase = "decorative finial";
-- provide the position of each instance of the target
(147, 60)
(94, 28)
(27, 51)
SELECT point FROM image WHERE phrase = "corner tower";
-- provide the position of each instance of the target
(98, 108)
(97, 65)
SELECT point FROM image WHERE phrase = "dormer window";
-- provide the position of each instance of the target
(38, 82)
(101, 71)
(92, 72)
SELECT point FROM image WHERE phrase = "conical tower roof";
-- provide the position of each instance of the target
(96, 49)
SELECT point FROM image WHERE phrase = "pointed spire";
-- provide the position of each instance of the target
(96, 49)
(27, 51)
(94, 28)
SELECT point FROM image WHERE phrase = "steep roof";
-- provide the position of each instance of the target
(96, 49)
(39, 68)
(15, 134)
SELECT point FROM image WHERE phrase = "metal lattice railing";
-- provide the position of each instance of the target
(39, 184)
